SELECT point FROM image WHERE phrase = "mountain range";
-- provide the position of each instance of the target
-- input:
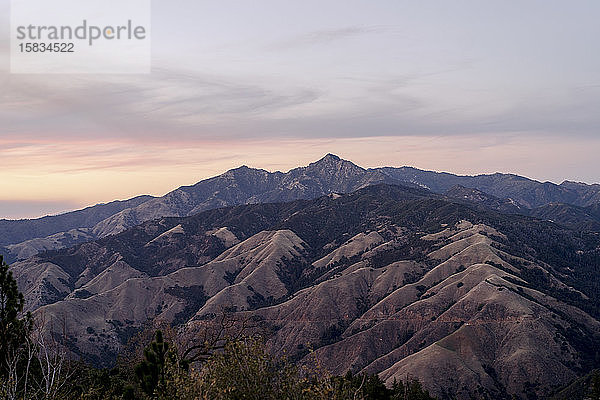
(387, 279)
(571, 204)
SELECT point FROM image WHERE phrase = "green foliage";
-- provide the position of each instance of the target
(411, 389)
(371, 387)
(14, 328)
(151, 371)
(245, 371)
(90, 383)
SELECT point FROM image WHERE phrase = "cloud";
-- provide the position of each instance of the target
(180, 105)
(323, 37)
(166, 102)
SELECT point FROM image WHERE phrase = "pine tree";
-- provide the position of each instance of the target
(151, 371)
(14, 327)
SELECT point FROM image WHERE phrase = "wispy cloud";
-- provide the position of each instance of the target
(323, 37)
(167, 102)
(173, 105)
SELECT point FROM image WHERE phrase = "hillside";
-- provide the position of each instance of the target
(387, 279)
(16, 231)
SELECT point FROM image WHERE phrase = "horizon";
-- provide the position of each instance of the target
(84, 206)
(465, 87)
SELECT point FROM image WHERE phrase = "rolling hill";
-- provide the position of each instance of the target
(387, 279)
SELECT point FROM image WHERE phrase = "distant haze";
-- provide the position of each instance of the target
(465, 86)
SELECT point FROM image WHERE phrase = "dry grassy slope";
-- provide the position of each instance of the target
(43, 283)
(225, 235)
(356, 245)
(469, 315)
(260, 257)
(302, 320)
(174, 204)
(377, 289)
(510, 340)
(400, 318)
(40, 283)
(340, 301)
(59, 240)
(96, 267)
(455, 329)
(121, 293)
(108, 279)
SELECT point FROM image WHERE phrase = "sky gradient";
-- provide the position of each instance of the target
(461, 86)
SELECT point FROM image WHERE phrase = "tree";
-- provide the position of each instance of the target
(244, 370)
(371, 387)
(53, 362)
(90, 383)
(15, 328)
(151, 371)
(410, 389)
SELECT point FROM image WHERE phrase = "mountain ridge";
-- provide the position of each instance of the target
(387, 278)
(330, 174)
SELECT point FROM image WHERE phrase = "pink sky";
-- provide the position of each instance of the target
(59, 176)
(466, 87)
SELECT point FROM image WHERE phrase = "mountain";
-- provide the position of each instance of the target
(22, 238)
(574, 217)
(579, 218)
(527, 192)
(238, 186)
(15, 231)
(245, 185)
(587, 194)
(509, 206)
(594, 210)
(58, 240)
(388, 279)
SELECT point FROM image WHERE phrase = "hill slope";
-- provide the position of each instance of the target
(386, 279)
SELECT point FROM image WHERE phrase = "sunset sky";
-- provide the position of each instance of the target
(461, 86)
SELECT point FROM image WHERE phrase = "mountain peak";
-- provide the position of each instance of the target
(330, 156)
(332, 164)
(328, 159)
(331, 159)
